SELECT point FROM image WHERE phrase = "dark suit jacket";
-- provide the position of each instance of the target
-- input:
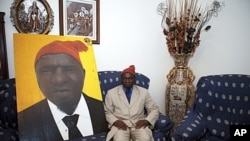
(36, 123)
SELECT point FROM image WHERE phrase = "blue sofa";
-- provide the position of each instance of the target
(108, 79)
(221, 101)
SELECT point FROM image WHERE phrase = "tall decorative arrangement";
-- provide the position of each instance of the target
(182, 23)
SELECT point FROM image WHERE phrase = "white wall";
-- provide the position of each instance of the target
(131, 34)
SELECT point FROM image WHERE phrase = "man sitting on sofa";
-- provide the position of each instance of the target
(125, 110)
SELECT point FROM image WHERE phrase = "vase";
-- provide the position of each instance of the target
(180, 89)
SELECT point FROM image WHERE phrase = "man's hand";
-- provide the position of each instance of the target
(141, 123)
(120, 125)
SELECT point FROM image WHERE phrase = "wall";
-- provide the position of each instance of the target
(131, 34)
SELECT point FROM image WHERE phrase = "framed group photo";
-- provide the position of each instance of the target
(80, 18)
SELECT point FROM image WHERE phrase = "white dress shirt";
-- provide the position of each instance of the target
(84, 123)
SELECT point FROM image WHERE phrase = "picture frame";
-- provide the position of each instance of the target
(32, 16)
(80, 18)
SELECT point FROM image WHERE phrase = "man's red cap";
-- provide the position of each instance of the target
(71, 48)
(130, 69)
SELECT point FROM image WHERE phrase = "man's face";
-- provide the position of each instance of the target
(60, 78)
(128, 80)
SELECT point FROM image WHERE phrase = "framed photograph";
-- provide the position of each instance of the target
(80, 18)
(32, 16)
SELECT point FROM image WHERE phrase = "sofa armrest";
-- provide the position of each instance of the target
(163, 124)
(8, 107)
(191, 128)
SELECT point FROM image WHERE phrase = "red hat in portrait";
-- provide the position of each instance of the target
(71, 48)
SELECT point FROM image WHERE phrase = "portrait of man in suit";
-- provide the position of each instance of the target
(66, 112)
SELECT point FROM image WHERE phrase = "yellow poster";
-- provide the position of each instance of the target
(56, 76)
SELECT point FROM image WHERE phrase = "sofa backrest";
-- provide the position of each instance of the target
(223, 100)
(110, 79)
